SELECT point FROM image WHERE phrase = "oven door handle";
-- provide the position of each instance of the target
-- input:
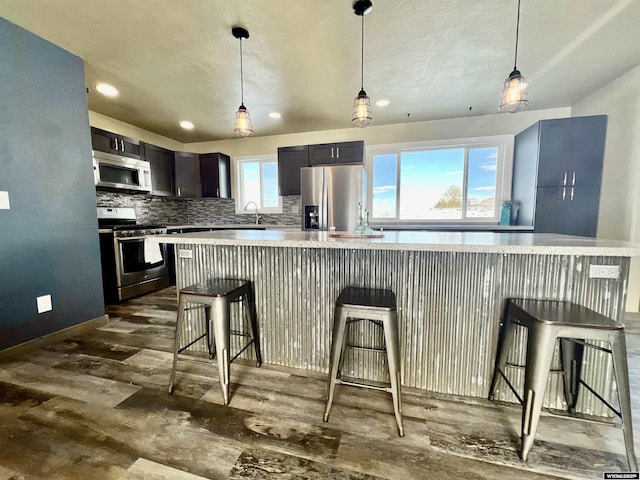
(127, 239)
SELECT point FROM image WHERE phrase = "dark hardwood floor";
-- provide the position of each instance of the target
(95, 406)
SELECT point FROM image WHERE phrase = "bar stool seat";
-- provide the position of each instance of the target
(550, 320)
(379, 306)
(216, 296)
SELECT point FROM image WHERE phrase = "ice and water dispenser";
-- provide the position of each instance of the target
(311, 219)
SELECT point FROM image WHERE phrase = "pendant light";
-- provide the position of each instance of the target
(362, 105)
(514, 93)
(243, 127)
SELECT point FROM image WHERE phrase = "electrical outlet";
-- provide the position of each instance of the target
(604, 271)
(295, 209)
(185, 253)
(44, 303)
(4, 201)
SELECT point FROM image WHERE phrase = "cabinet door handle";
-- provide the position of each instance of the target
(122, 144)
(115, 140)
(564, 182)
(178, 191)
(573, 179)
(338, 150)
(331, 152)
(572, 189)
(217, 192)
(564, 193)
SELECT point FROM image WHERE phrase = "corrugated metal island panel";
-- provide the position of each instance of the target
(449, 307)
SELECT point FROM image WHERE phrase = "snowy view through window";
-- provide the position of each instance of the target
(429, 184)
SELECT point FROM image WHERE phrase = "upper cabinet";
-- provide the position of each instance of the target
(332, 153)
(571, 151)
(215, 175)
(557, 172)
(162, 169)
(179, 174)
(204, 175)
(109, 142)
(187, 166)
(290, 161)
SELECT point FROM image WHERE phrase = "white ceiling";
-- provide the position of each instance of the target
(432, 59)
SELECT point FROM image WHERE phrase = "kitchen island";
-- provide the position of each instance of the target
(451, 289)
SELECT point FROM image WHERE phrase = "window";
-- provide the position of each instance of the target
(257, 181)
(429, 182)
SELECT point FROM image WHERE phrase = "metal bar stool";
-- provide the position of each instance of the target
(546, 321)
(216, 296)
(378, 306)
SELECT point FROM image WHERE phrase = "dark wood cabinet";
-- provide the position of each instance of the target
(290, 161)
(204, 175)
(332, 153)
(109, 142)
(162, 169)
(187, 176)
(215, 175)
(557, 172)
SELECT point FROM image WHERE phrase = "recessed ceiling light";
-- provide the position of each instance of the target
(382, 103)
(107, 90)
(275, 115)
(186, 125)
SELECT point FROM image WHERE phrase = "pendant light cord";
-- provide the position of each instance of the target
(362, 56)
(241, 76)
(515, 60)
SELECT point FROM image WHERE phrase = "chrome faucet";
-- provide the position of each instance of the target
(258, 216)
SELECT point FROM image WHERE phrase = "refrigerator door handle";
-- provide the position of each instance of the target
(324, 198)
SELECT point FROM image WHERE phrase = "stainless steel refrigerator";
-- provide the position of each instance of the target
(330, 196)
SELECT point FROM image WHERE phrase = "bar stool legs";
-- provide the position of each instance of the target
(221, 327)
(216, 297)
(547, 321)
(392, 342)
(378, 306)
(540, 347)
(337, 346)
(253, 325)
(571, 355)
(176, 340)
(621, 370)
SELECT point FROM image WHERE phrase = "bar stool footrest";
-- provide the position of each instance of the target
(182, 349)
(357, 382)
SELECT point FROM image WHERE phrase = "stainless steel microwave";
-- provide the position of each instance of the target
(114, 171)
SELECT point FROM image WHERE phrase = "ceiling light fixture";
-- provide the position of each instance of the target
(275, 115)
(382, 102)
(107, 90)
(514, 93)
(362, 105)
(243, 127)
(187, 125)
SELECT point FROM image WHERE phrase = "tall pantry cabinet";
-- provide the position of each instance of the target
(557, 173)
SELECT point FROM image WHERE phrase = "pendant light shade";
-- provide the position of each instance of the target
(361, 110)
(243, 127)
(362, 115)
(514, 92)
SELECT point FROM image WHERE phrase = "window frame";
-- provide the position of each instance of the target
(504, 168)
(239, 177)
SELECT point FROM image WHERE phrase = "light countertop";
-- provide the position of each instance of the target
(231, 226)
(474, 242)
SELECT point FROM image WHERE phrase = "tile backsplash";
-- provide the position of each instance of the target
(179, 211)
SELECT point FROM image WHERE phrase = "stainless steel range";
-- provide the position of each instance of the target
(131, 264)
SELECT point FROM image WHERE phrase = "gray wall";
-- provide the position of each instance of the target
(48, 239)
